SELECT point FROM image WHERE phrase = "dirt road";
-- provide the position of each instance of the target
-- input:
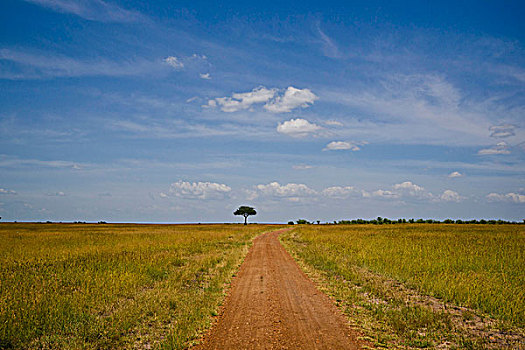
(273, 305)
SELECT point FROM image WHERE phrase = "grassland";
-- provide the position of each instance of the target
(422, 285)
(114, 286)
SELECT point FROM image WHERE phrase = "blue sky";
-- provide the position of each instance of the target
(182, 111)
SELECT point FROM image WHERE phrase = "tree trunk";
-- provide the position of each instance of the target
(245, 219)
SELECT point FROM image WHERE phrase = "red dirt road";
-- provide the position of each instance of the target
(273, 305)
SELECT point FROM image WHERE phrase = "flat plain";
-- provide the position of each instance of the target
(105, 286)
(93, 286)
(422, 285)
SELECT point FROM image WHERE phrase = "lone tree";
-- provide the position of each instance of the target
(245, 211)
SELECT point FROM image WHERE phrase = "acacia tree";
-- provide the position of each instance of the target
(245, 211)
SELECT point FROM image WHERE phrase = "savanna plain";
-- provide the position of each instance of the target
(422, 285)
(96, 286)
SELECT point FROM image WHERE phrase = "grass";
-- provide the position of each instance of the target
(96, 286)
(401, 283)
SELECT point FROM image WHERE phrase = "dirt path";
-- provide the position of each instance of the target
(273, 305)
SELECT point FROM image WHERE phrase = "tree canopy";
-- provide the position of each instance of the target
(245, 211)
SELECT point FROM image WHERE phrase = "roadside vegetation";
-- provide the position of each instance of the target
(421, 285)
(98, 286)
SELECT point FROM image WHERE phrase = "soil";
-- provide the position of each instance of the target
(273, 305)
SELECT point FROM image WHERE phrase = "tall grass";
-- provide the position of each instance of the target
(106, 286)
(476, 266)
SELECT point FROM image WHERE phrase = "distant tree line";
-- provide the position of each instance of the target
(385, 221)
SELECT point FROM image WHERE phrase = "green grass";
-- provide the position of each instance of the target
(114, 286)
(476, 266)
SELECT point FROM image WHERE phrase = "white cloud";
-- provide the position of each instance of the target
(409, 187)
(333, 123)
(205, 76)
(340, 192)
(509, 197)
(93, 10)
(163, 195)
(302, 167)
(455, 174)
(405, 189)
(6, 191)
(450, 196)
(199, 56)
(210, 104)
(33, 64)
(174, 62)
(245, 100)
(502, 131)
(419, 108)
(400, 192)
(342, 145)
(57, 194)
(297, 127)
(199, 190)
(384, 194)
(499, 148)
(330, 49)
(293, 98)
(291, 191)
(16, 162)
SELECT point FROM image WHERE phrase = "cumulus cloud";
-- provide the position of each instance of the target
(406, 190)
(509, 197)
(455, 174)
(291, 191)
(402, 191)
(499, 148)
(409, 188)
(502, 131)
(199, 190)
(6, 191)
(297, 127)
(174, 62)
(342, 145)
(205, 76)
(273, 101)
(450, 196)
(384, 194)
(245, 100)
(292, 98)
(340, 192)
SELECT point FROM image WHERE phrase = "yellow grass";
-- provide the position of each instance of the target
(476, 266)
(114, 286)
